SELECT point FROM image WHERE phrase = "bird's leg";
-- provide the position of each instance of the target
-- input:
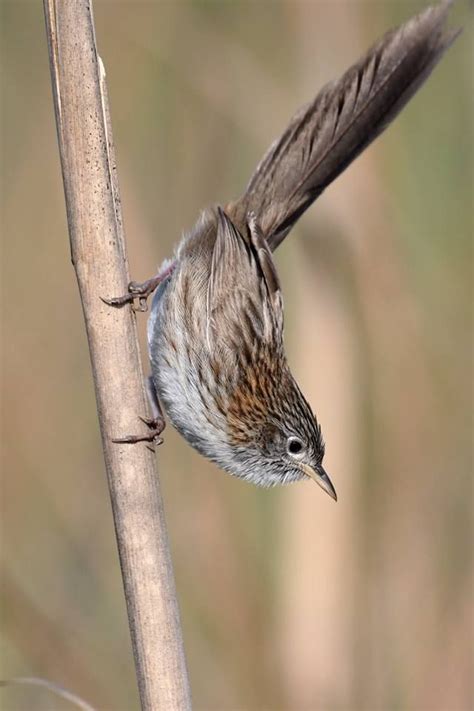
(141, 291)
(157, 419)
(156, 423)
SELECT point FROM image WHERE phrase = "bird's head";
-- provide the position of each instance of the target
(276, 436)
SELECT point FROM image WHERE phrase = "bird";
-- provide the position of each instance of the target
(215, 330)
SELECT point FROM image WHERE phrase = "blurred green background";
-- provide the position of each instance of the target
(288, 601)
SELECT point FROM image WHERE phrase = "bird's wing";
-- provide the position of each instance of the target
(243, 304)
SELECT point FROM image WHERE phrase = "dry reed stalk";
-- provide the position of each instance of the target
(99, 258)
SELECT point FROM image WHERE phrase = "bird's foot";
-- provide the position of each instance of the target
(156, 425)
(140, 291)
(136, 290)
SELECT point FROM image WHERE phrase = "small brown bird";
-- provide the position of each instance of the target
(215, 331)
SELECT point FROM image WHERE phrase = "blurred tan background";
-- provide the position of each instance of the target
(288, 601)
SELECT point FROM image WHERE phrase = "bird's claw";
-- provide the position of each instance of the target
(142, 304)
(136, 290)
(155, 426)
(141, 290)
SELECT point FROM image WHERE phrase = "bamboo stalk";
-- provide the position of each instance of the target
(100, 262)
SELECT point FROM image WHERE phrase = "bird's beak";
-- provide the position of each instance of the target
(321, 478)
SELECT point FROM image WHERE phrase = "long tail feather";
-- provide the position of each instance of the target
(325, 136)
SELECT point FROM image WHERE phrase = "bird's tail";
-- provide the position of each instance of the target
(325, 136)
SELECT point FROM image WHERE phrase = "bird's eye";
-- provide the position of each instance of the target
(294, 446)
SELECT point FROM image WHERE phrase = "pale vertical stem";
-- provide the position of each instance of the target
(98, 255)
